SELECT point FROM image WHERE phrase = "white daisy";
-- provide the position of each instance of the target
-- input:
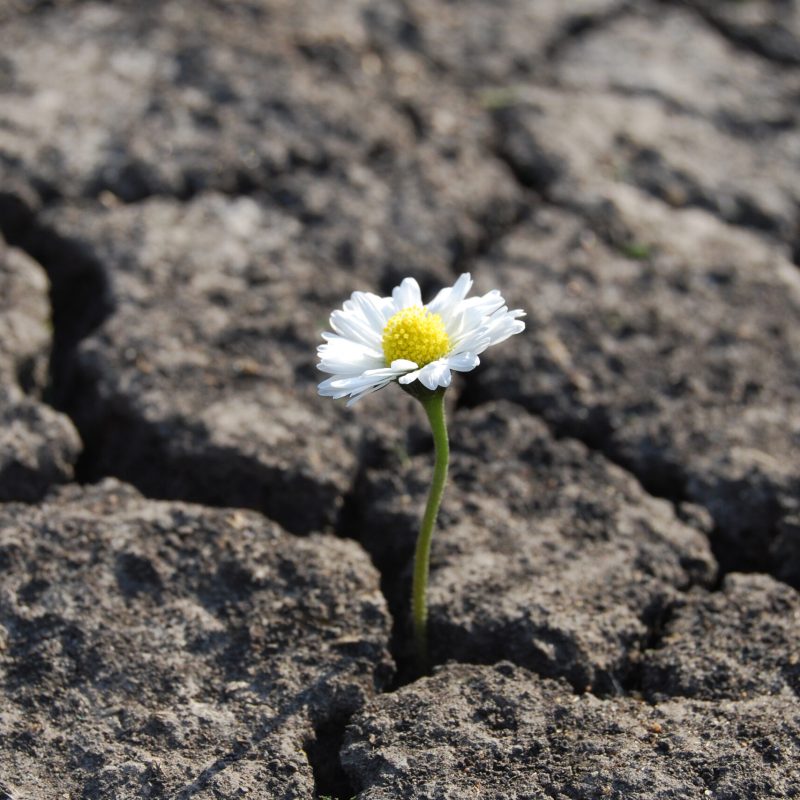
(378, 340)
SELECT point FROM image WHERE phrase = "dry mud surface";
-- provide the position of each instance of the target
(204, 567)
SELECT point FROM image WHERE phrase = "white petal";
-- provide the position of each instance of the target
(402, 365)
(407, 294)
(376, 310)
(440, 301)
(488, 303)
(376, 379)
(447, 301)
(345, 348)
(409, 377)
(357, 385)
(336, 343)
(347, 357)
(463, 320)
(332, 388)
(325, 386)
(461, 287)
(475, 341)
(384, 373)
(503, 325)
(435, 374)
(356, 397)
(350, 383)
(463, 362)
(354, 326)
(347, 368)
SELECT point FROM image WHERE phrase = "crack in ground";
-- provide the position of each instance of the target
(353, 519)
(652, 174)
(321, 748)
(657, 624)
(323, 753)
(80, 296)
(583, 24)
(537, 171)
(783, 50)
(134, 185)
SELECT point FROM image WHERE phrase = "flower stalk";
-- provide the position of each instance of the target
(433, 403)
(376, 341)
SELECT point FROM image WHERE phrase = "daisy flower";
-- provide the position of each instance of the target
(378, 340)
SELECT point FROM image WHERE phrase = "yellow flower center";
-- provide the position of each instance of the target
(415, 334)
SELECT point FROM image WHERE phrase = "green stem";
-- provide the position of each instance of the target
(433, 404)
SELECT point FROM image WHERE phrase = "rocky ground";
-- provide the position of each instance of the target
(205, 567)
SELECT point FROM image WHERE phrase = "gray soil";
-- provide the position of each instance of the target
(505, 733)
(205, 567)
(157, 649)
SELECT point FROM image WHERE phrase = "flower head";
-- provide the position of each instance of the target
(378, 340)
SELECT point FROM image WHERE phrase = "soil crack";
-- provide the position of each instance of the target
(323, 753)
(772, 43)
(582, 25)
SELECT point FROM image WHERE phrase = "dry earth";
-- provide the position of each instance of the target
(204, 567)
